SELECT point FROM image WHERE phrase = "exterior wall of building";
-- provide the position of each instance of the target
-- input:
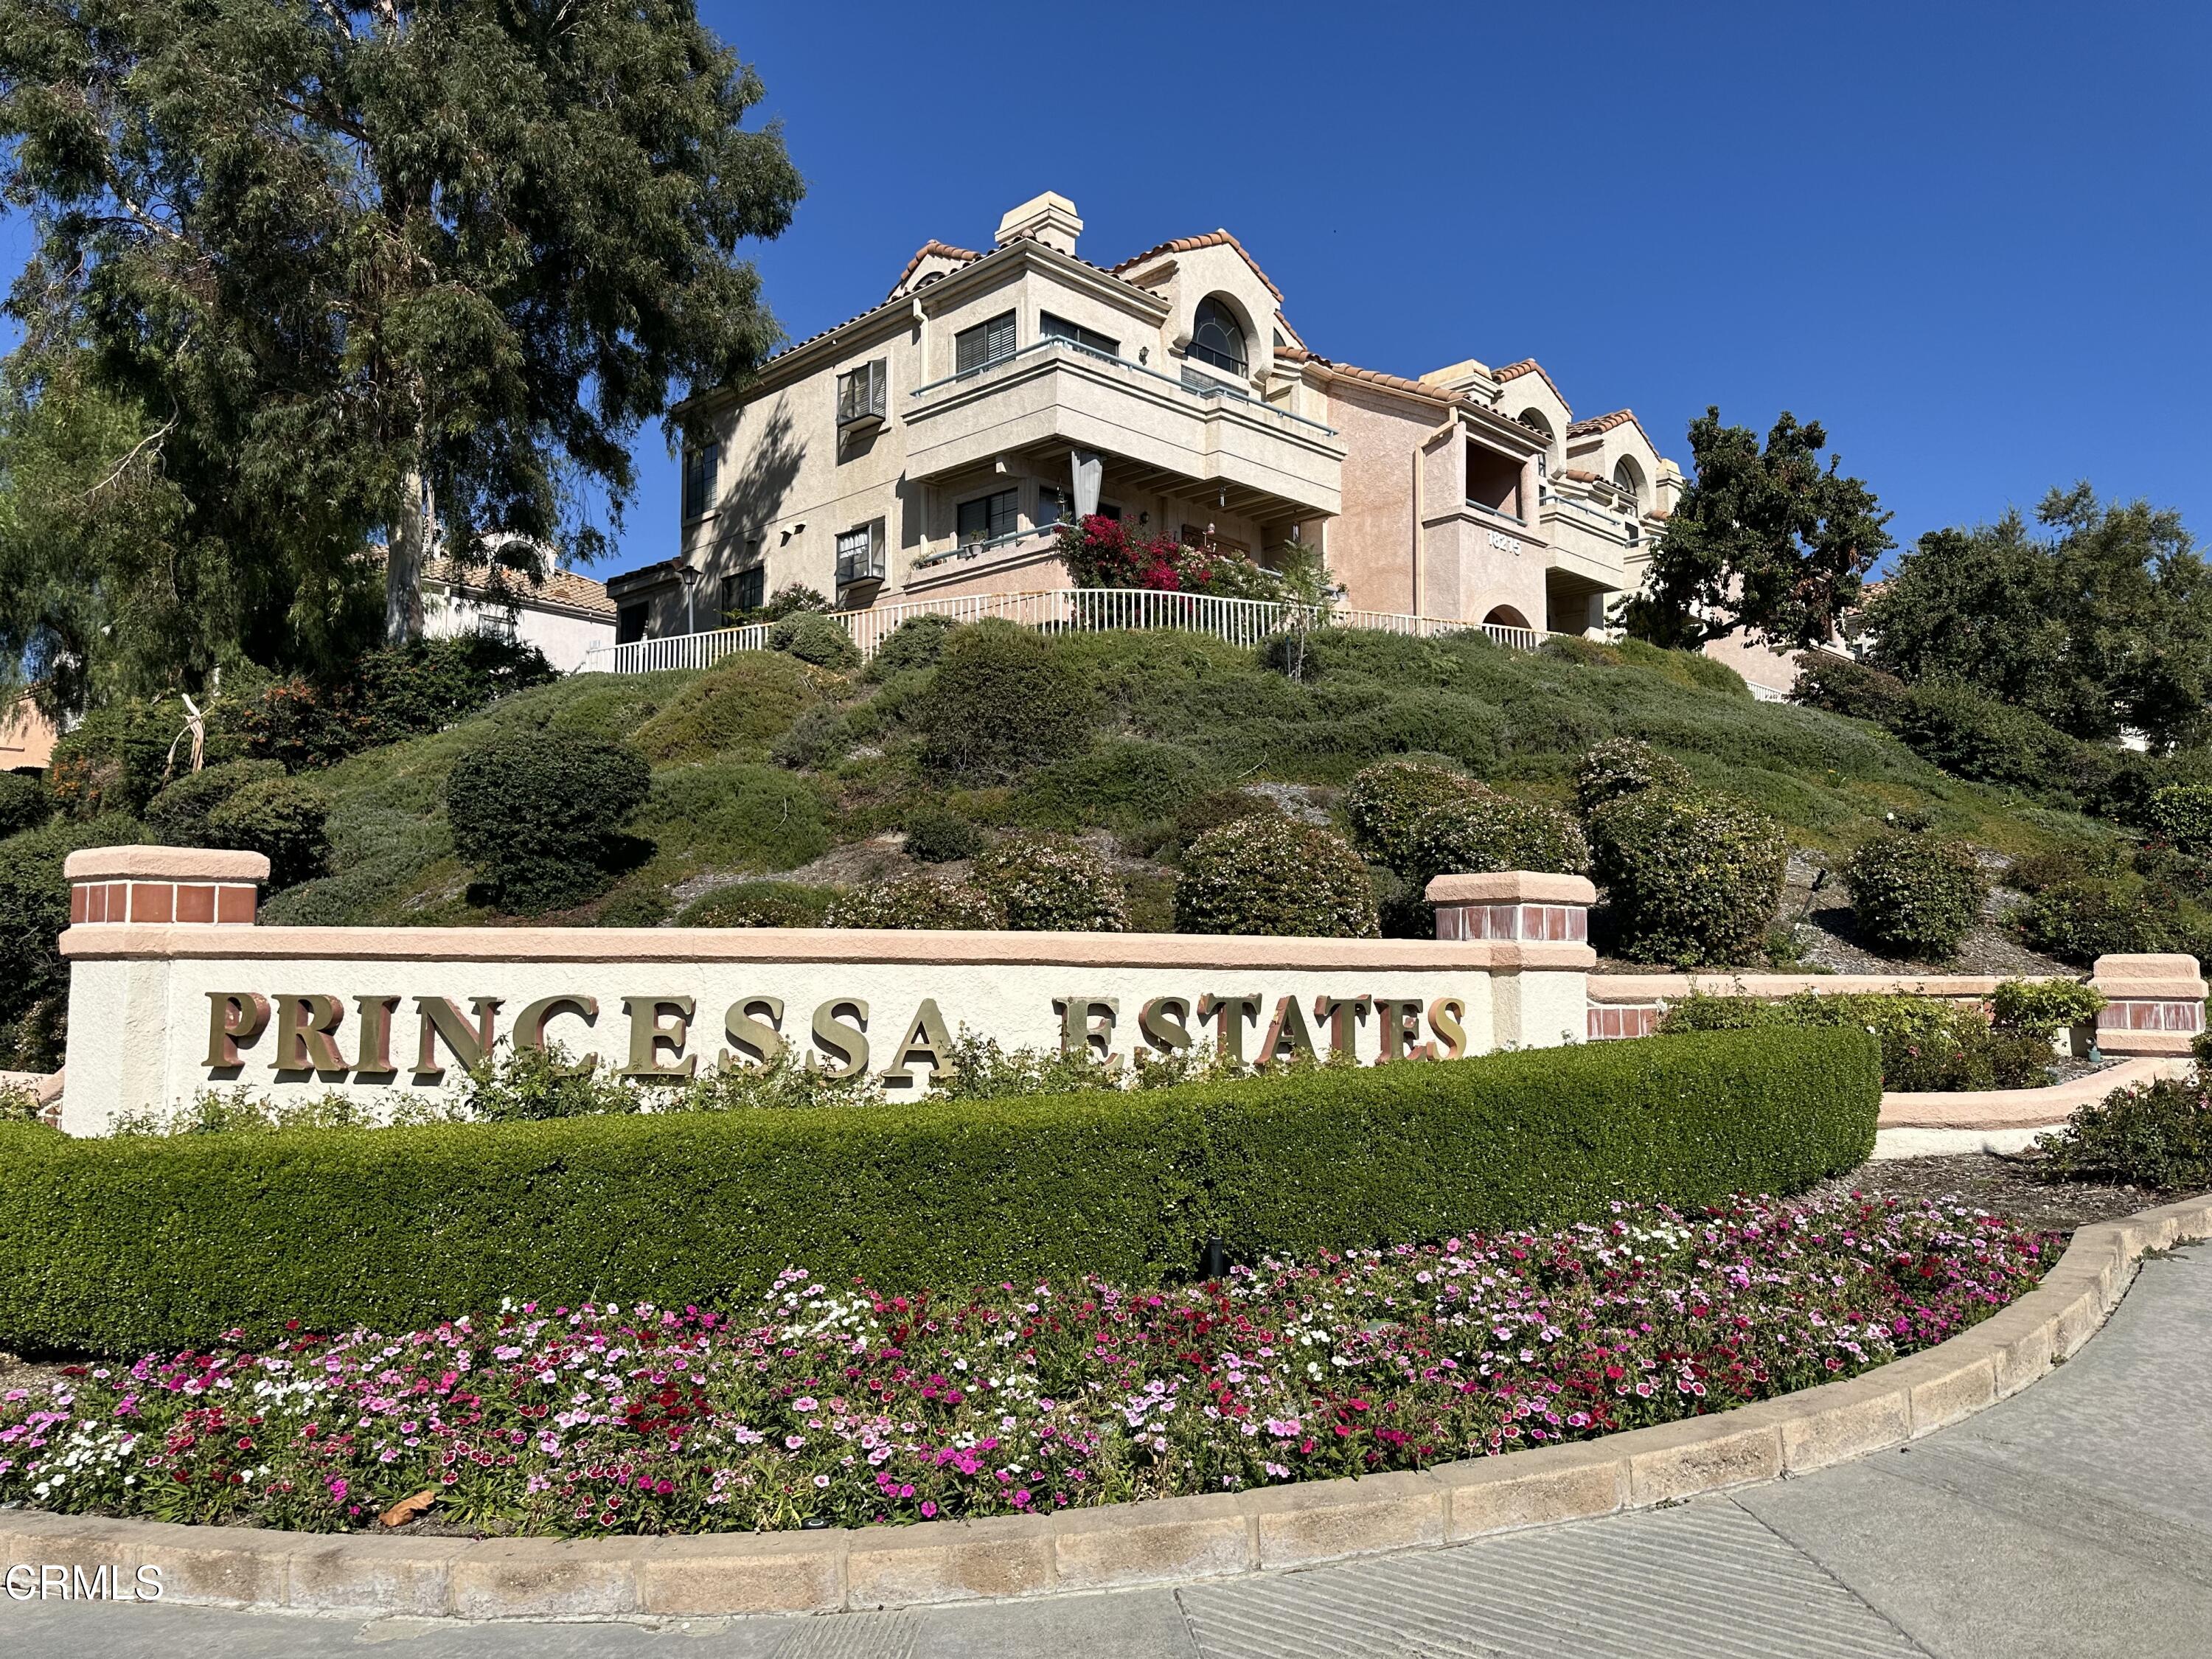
(27, 738)
(564, 637)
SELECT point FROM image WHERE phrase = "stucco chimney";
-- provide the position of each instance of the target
(1049, 218)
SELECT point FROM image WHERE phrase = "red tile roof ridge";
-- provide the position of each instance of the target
(1190, 244)
(932, 247)
(1530, 366)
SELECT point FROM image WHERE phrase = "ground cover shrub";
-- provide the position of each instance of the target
(2156, 1135)
(1272, 875)
(1914, 893)
(540, 817)
(1000, 701)
(384, 696)
(816, 638)
(929, 902)
(2078, 920)
(2043, 1007)
(24, 803)
(734, 815)
(2181, 814)
(917, 643)
(1927, 1044)
(1387, 802)
(1623, 766)
(937, 834)
(1686, 880)
(759, 904)
(177, 815)
(1844, 687)
(35, 904)
(1687, 667)
(113, 1244)
(1119, 785)
(1216, 807)
(816, 741)
(1048, 884)
(1435, 1353)
(736, 709)
(282, 818)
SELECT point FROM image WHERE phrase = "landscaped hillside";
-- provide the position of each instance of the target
(767, 766)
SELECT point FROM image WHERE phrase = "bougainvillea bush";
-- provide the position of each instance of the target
(831, 1402)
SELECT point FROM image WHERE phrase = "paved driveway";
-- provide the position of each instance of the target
(2073, 1519)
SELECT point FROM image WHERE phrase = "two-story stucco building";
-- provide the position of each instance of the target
(927, 447)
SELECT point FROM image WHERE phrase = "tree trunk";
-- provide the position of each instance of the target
(403, 563)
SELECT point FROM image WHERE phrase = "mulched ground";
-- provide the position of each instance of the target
(2001, 1186)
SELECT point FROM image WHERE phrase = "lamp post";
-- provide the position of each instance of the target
(691, 574)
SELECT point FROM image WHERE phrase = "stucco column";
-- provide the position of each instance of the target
(1533, 1007)
(2156, 1006)
(119, 1011)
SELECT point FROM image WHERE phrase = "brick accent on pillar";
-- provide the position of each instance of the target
(160, 886)
(2155, 1004)
(1514, 904)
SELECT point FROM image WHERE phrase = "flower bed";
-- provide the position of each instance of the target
(839, 1404)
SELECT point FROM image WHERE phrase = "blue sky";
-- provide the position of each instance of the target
(1971, 239)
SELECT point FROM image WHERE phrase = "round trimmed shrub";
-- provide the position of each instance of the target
(1215, 808)
(1388, 801)
(178, 816)
(280, 817)
(24, 803)
(1047, 883)
(1276, 877)
(2091, 917)
(759, 904)
(928, 902)
(917, 643)
(818, 738)
(2182, 814)
(935, 834)
(814, 638)
(539, 816)
(1485, 831)
(1623, 766)
(1000, 702)
(1915, 894)
(1687, 880)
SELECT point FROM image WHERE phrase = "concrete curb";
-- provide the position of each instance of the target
(1166, 1540)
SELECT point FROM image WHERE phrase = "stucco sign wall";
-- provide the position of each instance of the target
(161, 1008)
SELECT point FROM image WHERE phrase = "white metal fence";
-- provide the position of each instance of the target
(1080, 610)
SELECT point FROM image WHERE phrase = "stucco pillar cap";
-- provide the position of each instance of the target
(1511, 887)
(164, 864)
(2175, 976)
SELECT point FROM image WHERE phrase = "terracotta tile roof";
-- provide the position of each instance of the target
(1579, 474)
(561, 590)
(1187, 243)
(1530, 366)
(1428, 393)
(1661, 513)
(1601, 422)
(942, 249)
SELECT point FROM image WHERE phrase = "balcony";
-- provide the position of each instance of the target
(1593, 534)
(863, 396)
(1057, 394)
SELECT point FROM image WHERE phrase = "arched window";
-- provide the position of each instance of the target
(1629, 477)
(1216, 337)
(1505, 616)
(1536, 420)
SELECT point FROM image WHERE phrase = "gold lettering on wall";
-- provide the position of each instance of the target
(437, 1020)
(1401, 1029)
(1088, 1022)
(760, 1040)
(233, 1016)
(374, 1058)
(1288, 1029)
(1445, 1017)
(925, 1039)
(1342, 1015)
(1164, 1023)
(1233, 1012)
(657, 1022)
(305, 1033)
(843, 1043)
(530, 1028)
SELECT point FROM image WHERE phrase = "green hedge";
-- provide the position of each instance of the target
(116, 1245)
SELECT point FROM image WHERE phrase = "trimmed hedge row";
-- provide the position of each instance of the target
(118, 1245)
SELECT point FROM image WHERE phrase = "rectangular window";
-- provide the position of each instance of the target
(1050, 505)
(862, 392)
(1058, 328)
(699, 465)
(989, 517)
(985, 343)
(629, 624)
(861, 554)
(743, 590)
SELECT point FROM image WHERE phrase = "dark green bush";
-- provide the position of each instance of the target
(1387, 801)
(1914, 893)
(816, 638)
(24, 803)
(1274, 876)
(1048, 884)
(35, 904)
(931, 903)
(1971, 734)
(1215, 808)
(280, 817)
(539, 816)
(2157, 1135)
(1001, 701)
(917, 643)
(817, 739)
(2043, 1007)
(936, 834)
(388, 695)
(2079, 920)
(759, 904)
(1686, 880)
(121, 1245)
(1117, 786)
(1623, 766)
(2182, 815)
(1484, 831)
(1927, 1045)
(1843, 686)
(738, 706)
(178, 816)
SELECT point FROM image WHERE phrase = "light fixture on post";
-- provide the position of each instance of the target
(691, 574)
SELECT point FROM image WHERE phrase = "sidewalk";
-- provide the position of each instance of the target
(2073, 1519)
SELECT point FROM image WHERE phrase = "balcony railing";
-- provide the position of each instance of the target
(1210, 393)
(861, 395)
(1065, 611)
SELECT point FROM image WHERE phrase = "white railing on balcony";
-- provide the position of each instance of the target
(1080, 610)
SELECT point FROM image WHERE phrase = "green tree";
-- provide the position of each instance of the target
(1766, 541)
(2104, 623)
(388, 270)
